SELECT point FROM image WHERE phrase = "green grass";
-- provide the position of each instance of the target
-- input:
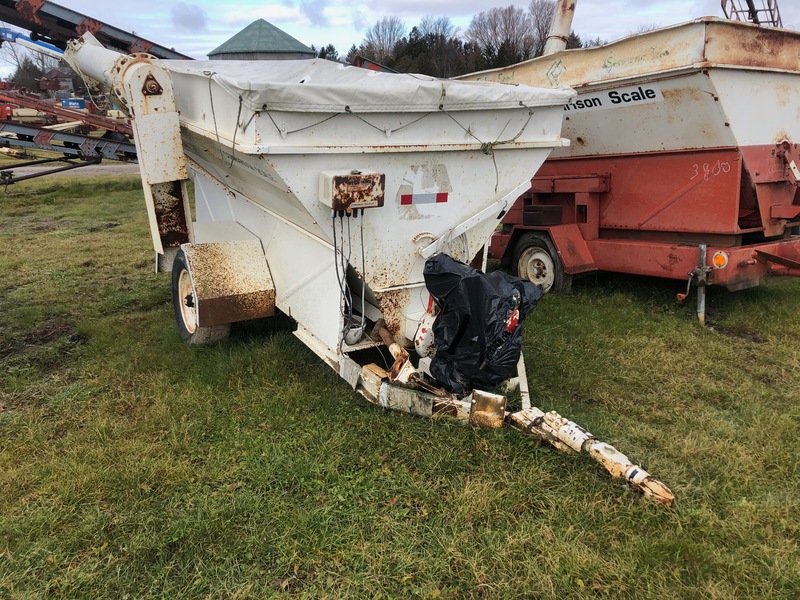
(132, 465)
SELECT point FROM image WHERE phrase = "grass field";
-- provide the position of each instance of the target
(134, 466)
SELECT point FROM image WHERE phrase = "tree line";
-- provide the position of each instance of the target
(495, 38)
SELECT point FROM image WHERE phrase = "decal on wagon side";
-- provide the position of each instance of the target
(617, 98)
(425, 184)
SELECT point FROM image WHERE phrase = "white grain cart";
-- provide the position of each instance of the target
(320, 190)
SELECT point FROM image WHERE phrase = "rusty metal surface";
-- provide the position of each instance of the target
(487, 410)
(569, 436)
(231, 281)
(452, 408)
(88, 24)
(151, 86)
(141, 45)
(698, 44)
(392, 303)
(173, 226)
(70, 144)
(29, 10)
(60, 24)
(751, 46)
(353, 190)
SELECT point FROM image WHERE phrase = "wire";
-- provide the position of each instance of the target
(214, 117)
(345, 263)
(77, 69)
(341, 264)
(363, 273)
(488, 147)
(213, 113)
(383, 130)
(235, 131)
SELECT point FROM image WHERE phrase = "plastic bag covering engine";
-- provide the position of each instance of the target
(478, 333)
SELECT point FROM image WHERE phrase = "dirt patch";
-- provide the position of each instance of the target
(50, 330)
(109, 225)
(48, 224)
(46, 333)
(745, 335)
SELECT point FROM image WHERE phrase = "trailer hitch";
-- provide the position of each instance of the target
(785, 152)
(699, 276)
(484, 409)
(569, 436)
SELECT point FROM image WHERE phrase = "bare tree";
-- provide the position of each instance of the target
(437, 26)
(508, 32)
(382, 37)
(645, 28)
(28, 65)
(541, 12)
(12, 54)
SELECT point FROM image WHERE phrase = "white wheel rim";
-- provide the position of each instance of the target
(537, 266)
(188, 313)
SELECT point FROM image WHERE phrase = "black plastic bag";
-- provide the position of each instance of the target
(478, 333)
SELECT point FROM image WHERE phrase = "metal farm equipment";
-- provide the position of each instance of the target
(683, 162)
(327, 192)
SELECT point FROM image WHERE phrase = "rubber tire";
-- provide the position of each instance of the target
(536, 259)
(188, 330)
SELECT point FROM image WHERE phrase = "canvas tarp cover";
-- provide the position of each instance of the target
(325, 86)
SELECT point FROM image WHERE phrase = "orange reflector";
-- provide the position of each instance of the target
(720, 260)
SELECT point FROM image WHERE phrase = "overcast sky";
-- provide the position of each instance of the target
(195, 27)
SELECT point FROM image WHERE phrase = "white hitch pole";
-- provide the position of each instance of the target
(566, 435)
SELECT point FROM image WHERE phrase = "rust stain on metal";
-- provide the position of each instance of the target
(29, 8)
(485, 419)
(232, 282)
(140, 45)
(487, 410)
(391, 304)
(445, 409)
(566, 8)
(44, 137)
(88, 25)
(764, 48)
(151, 86)
(173, 226)
(358, 190)
(384, 271)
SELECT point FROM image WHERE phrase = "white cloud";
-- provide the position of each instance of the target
(179, 24)
(188, 17)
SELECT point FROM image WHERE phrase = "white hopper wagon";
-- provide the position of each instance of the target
(321, 190)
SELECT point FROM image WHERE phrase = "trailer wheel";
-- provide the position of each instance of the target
(185, 304)
(536, 259)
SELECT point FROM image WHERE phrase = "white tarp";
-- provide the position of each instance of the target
(325, 86)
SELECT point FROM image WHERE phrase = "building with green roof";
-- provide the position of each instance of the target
(261, 41)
